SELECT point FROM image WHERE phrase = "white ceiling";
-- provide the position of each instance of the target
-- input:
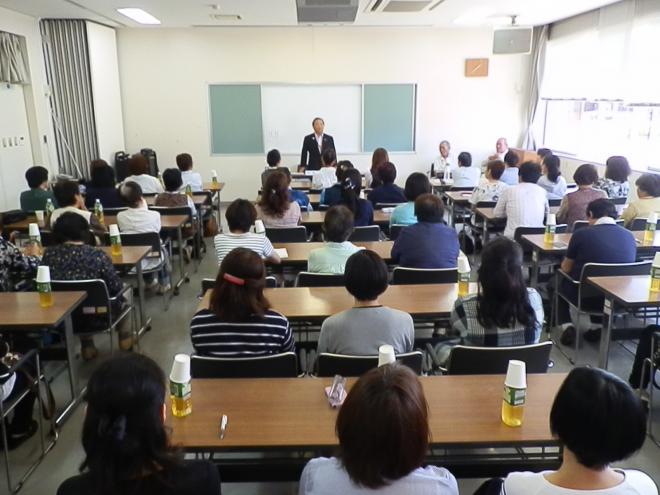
(185, 13)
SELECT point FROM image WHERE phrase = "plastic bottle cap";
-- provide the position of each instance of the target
(114, 230)
(259, 227)
(656, 260)
(43, 274)
(214, 173)
(552, 219)
(652, 218)
(180, 369)
(463, 264)
(33, 230)
(386, 355)
(516, 374)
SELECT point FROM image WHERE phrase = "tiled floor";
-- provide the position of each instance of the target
(170, 335)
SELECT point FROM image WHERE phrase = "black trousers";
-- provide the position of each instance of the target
(644, 351)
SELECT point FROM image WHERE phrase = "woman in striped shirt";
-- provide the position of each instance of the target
(239, 321)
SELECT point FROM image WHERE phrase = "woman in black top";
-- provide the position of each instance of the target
(125, 440)
(102, 186)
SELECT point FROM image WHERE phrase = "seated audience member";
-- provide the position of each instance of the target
(294, 195)
(72, 258)
(429, 243)
(174, 196)
(574, 205)
(337, 228)
(275, 208)
(12, 385)
(465, 175)
(504, 312)
(383, 434)
(241, 215)
(598, 421)
(363, 211)
(543, 152)
(444, 161)
(378, 157)
(70, 200)
(501, 149)
(602, 242)
(326, 176)
(36, 198)
(273, 162)
(332, 195)
(648, 194)
(511, 172)
(416, 184)
(126, 443)
(102, 186)
(17, 267)
(388, 192)
(189, 178)
(492, 187)
(239, 321)
(138, 168)
(551, 180)
(362, 329)
(139, 219)
(525, 204)
(615, 183)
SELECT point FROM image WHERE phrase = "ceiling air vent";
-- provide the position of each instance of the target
(323, 11)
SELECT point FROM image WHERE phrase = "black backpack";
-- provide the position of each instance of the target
(121, 165)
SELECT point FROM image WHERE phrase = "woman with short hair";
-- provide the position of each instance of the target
(648, 194)
(102, 186)
(275, 207)
(615, 183)
(573, 206)
(239, 321)
(598, 420)
(383, 434)
(551, 180)
(138, 168)
(126, 443)
(417, 184)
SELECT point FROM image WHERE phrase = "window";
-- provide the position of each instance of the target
(601, 87)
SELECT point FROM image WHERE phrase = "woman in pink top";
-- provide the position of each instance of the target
(574, 205)
(275, 208)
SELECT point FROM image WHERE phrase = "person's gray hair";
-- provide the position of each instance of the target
(444, 141)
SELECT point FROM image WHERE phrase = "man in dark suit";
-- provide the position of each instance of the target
(314, 145)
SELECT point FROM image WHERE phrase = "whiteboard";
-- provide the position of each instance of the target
(288, 111)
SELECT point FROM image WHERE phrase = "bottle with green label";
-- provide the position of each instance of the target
(50, 208)
(189, 190)
(515, 393)
(98, 211)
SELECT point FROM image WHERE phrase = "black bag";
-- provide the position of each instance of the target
(13, 216)
(150, 155)
(465, 242)
(121, 165)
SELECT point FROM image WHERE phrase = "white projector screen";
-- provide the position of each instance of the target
(288, 111)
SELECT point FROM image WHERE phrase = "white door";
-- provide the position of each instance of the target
(15, 147)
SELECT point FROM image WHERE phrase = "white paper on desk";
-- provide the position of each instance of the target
(282, 253)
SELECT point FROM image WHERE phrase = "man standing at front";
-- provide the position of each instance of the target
(314, 145)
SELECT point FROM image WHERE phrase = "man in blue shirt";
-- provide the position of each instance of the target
(602, 242)
(429, 243)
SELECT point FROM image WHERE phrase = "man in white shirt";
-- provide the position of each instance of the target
(501, 149)
(185, 163)
(523, 205)
(443, 161)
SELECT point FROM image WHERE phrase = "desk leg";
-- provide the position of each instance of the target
(144, 322)
(183, 275)
(534, 278)
(451, 213)
(69, 341)
(485, 231)
(606, 334)
(217, 211)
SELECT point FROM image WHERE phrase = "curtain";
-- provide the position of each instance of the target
(540, 39)
(72, 109)
(12, 62)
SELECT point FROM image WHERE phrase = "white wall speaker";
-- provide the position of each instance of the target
(512, 41)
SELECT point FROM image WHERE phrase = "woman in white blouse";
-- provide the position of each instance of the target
(551, 180)
(138, 167)
(598, 420)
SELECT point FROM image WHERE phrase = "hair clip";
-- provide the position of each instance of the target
(233, 280)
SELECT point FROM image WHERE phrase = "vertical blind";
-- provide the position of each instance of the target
(67, 69)
(12, 62)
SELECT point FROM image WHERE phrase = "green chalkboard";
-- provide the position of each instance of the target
(389, 117)
(236, 119)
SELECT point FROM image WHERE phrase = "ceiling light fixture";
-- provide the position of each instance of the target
(139, 15)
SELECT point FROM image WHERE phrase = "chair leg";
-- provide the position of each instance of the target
(578, 333)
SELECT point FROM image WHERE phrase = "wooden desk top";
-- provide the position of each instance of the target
(198, 198)
(293, 412)
(208, 186)
(301, 184)
(459, 197)
(316, 217)
(627, 291)
(21, 309)
(299, 251)
(424, 300)
(130, 255)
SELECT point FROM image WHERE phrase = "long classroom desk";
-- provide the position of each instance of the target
(421, 301)
(298, 252)
(315, 218)
(292, 415)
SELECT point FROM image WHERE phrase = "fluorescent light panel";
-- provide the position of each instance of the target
(139, 15)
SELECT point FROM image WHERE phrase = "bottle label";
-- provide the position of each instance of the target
(515, 396)
(550, 229)
(43, 287)
(655, 272)
(463, 276)
(180, 390)
(115, 240)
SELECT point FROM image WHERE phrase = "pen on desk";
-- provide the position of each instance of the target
(223, 426)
